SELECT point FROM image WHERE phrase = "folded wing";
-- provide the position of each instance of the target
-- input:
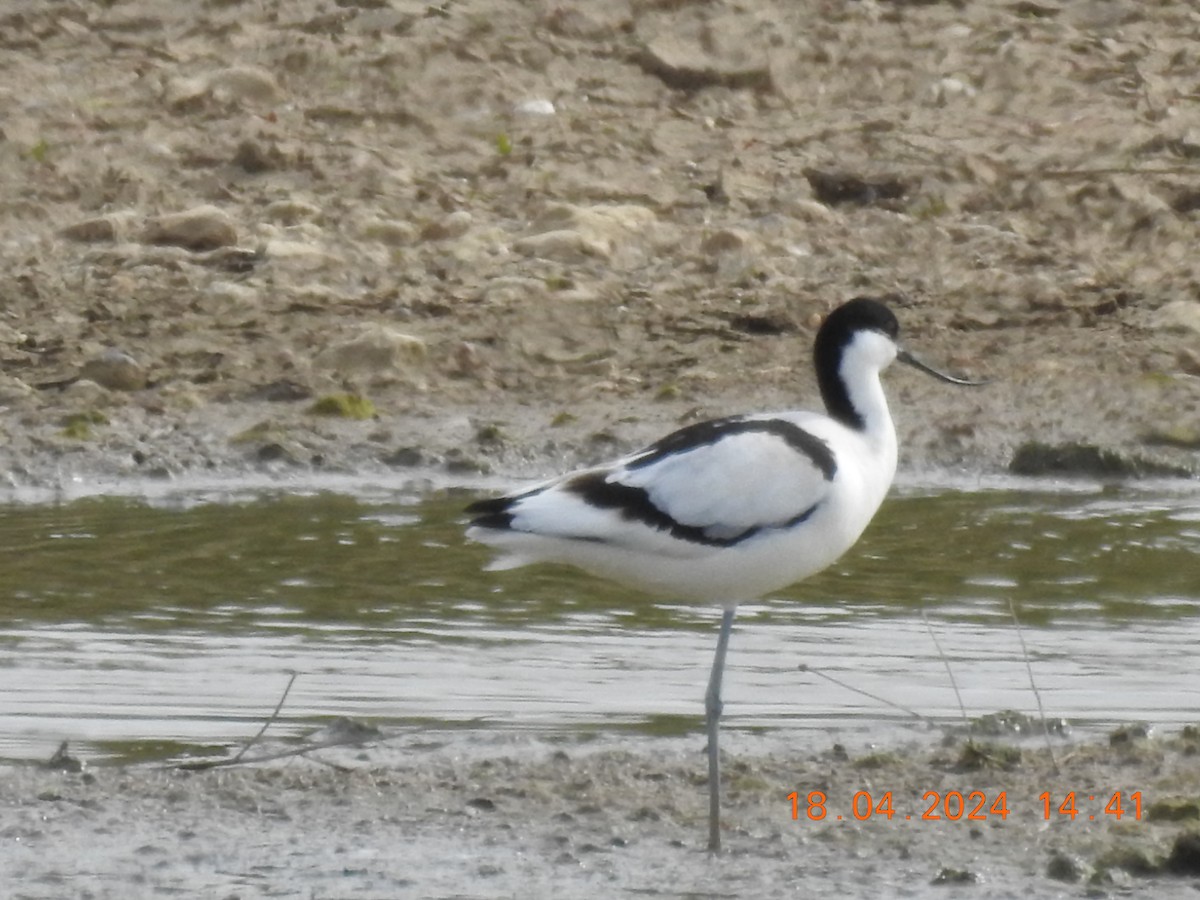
(709, 485)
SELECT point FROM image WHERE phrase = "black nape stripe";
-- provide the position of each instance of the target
(705, 433)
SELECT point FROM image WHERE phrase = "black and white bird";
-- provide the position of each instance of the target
(728, 510)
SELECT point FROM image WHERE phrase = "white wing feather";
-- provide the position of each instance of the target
(744, 480)
(741, 481)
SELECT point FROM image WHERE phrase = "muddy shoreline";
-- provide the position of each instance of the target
(424, 816)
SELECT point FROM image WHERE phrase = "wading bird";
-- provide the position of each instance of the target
(728, 510)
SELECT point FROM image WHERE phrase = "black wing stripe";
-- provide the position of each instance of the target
(704, 433)
(634, 504)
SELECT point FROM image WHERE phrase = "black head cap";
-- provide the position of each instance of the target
(834, 335)
(859, 314)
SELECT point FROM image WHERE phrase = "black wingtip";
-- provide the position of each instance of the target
(496, 522)
(489, 505)
(492, 513)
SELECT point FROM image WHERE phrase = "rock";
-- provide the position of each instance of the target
(256, 157)
(1173, 809)
(570, 233)
(182, 94)
(1183, 435)
(404, 457)
(537, 106)
(282, 390)
(811, 211)
(237, 84)
(1062, 867)
(564, 245)
(111, 227)
(11, 336)
(392, 232)
(246, 84)
(587, 23)
(1127, 735)
(454, 225)
(83, 393)
(1184, 858)
(63, 761)
(685, 64)
(1178, 315)
(14, 390)
(948, 875)
(276, 451)
(1133, 860)
(1189, 361)
(835, 188)
(231, 295)
(946, 89)
(727, 240)
(1035, 458)
(115, 370)
(290, 212)
(200, 228)
(378, 351)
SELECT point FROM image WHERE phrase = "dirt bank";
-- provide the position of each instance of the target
(533, 233)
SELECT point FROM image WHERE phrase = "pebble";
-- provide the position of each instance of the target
(13, 390)
(247, 84)
(453, 225)
(1184, 858)
(392, 232)
(230, 295)
(10, 335)
(200, 228)
(376, 351)
(727, 240)
(564, 244)
(806, 210)
(571, 233)
(1189, 361)
(256, 157)
(111, 227)
(535, 107)
(1178, 315)
(115, 370)
(946, 89)
(290, 212)
(685, 65)
(585, 23)
(83, 393)
(1062, 867)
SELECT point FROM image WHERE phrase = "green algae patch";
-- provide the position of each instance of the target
(343, 406)
(78, 426)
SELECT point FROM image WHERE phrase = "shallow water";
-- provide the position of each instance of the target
(138, 627)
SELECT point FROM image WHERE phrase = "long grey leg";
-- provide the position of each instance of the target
(712, 710)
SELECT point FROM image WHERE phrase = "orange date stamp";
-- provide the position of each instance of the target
(970, 806)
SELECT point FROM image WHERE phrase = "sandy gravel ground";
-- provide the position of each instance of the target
(520, 818)
(508, 236)
(532, 233)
